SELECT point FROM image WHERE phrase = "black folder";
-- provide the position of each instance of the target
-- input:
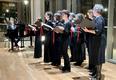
(87, 23)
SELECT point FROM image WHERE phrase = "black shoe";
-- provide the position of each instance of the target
(93, 74)
(11, 50)
(55, 64)
(77, 64)
(65, 70)
(72, 60)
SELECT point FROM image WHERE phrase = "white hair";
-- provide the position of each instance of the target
(98, 7)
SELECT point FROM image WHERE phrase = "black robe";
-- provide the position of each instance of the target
(78, 45)
(56, 56)
(96, 42)
(38, 45)
(48, 43)
(64, 46)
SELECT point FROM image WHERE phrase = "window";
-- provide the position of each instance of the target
(7, 10)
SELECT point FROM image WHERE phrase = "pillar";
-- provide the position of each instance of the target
(74, 6)
(69, 5)
(78, 6)
(20, 11)
(37, 9)
(51, 5)
(58, 5)
(110, 29)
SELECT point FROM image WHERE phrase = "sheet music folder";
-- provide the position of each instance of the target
(87, 23)
(58, 29)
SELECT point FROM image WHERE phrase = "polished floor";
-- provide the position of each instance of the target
(21, 66)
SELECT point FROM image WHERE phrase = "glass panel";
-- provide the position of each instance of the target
(20, 10)
(47, 5)
(88, 4)
(114, 44)
(7, 10)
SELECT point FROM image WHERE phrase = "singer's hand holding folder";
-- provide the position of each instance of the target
(88, 24)
(59, 29)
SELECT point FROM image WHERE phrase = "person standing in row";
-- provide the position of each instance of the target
(65, 37)
(79, 41)
(48, 36)
(72, 37)
(97, 42)
(56, 59)
(38, 43)
(90, 17)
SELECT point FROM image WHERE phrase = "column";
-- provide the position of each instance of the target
(78, 6)
(51, 5)
(69, 5)
(42, 7)
(37, 9)
(64, 4)
(59, 5)
(110, 29)
(20, 11)
(74, 6)
(29, 13)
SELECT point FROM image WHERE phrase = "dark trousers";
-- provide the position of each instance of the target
(80, 53)
(14, 43)
(65, 54)
(96, 72)
(22, 42)
(72, 49)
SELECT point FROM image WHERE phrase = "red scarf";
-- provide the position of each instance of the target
(71, 32)
(53, 37)
(78, 33)
(41, 31)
